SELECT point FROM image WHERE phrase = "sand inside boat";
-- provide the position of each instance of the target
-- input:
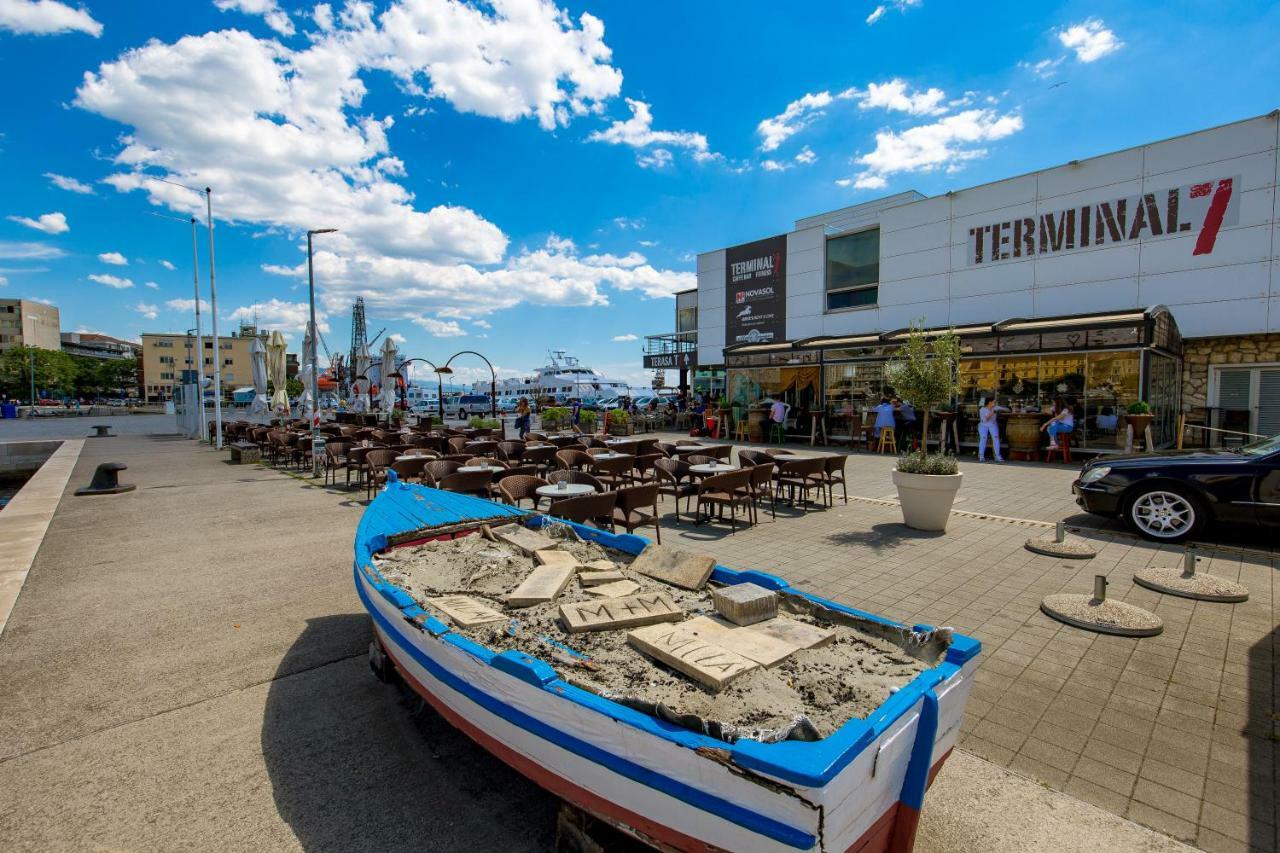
(809, 694)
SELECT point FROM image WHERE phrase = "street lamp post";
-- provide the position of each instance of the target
(213, 309)
(315, 378)
(493, 380)
(198, 352)
(439, 382)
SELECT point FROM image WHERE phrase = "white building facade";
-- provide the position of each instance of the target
(1188, 223)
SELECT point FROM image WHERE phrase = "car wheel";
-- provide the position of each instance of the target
(1163, 513)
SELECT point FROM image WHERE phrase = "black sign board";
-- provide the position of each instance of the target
(755, 285)
(671, 360)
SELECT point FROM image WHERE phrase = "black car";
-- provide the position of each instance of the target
(1169, 496)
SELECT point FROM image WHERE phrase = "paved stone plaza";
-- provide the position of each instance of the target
(184, 667)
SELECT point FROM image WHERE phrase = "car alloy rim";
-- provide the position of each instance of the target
(1163, 514)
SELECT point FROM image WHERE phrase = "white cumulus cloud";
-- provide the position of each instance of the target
(115, 259)
(152, 285)
(439, 328)
(278, 314)
(63, 182)
(638, 132)
(49, 223)
(896, 95)
(28, 251)
(148, 311)
(797, 115)
(111, 281)
(46, 17)
(270, 10)
(1090, 39)
(167, 265)
(898, 5)
(627, 337)
(946, 143)
(187, 305)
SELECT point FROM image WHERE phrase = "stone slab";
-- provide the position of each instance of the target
(601, 566)
(466, 612)
(617, 589)
(684, 569)
(681, 650)
(745, 603)
(557, 558)
(802, 634)
(597, 578)
(762, 648)
(541, 585)
(526, 540)
(616, 613)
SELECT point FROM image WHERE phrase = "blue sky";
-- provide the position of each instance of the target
(517, 176)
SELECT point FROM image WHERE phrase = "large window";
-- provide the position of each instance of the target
(853, 270)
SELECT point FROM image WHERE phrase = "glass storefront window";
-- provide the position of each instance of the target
(1164, 393)
(978, 381)
(1111, 385)
(1018, 381)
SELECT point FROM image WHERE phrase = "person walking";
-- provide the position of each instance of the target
(989, 428)
(523, 418)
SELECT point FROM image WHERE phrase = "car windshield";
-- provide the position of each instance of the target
(1264, 447)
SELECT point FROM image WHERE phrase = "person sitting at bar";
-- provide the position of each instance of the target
(1063, 420)
(778, 412)
(1108, 420)
(989, 427)
(884, 416)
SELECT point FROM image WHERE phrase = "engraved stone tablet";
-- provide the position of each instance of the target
(617, 589)
(613, 613)
(706, 662)
(597, 578)
(523, 538)
(541, 585)
(466, 612)
(755, 645)
(745, 603)
(802, 634)
(678, 568)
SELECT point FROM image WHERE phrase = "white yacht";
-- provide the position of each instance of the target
(563, 377)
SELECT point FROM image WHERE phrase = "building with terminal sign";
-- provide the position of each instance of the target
(1151, 273)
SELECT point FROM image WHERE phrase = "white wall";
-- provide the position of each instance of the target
(925, 269)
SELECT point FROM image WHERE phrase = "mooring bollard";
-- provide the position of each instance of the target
(1099, 587)
(106, 480)
(102, 431)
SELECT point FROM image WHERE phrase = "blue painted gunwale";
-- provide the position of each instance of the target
(403, 508)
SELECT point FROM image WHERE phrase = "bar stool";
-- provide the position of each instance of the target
(1063, 449)
(739, 427)
(776, 431)
(887, 441)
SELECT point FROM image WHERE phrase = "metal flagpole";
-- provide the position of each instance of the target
(213, 309)
(199, 353)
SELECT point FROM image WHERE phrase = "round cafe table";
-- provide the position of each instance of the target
(564, 490)
(708, 469)
(492, 469)
(787, 457)
(692, 448)
(608, 456)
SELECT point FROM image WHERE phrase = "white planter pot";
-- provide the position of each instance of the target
(926, 498)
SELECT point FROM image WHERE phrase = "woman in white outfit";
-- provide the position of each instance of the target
(989, 427)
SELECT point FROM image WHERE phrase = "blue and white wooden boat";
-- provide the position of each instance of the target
(859, 789)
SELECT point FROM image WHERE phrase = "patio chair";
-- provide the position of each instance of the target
(700, 459)
(335, 456)
(630, 508)
(667, 447)
(511, 451)
(517, 487)
(674, 479)
(487, 460)
(722, 452)
(410, 469)
(579, 478)
(460, 458)
(481, 448)
(467, 483)
(596, 510)
(537, 436)
(684, 442)
(613, 472)
(591, 441)
(643, 467)
(834, 473)
(377, 462)
(540, 456)
(755, 457)
(573, 460)
(458, 444)
(802, 475)
(300, 452)
(441, 468)
(761, 483)
(731, 489)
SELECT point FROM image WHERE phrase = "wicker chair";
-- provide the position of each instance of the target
(579, 478)
(613, 472)
(481, 448)
(467, 483)
(673, 479)
(761, 483)
(511, 451)
(438, 469)
(335, 456)
(630, 508)
(755, 457)
(355, 462)
(596, 510)
(731, 489)
(833, 473)
(720, 452)
(377, 462)
(458, 444)
(802, 475)
(410, 469)
(573, 460)
(643, 466)
(517, 487)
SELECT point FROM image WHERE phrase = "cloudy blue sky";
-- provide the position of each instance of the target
(519, 175)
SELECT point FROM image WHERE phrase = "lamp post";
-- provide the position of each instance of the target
(493, 380)
(311, 356)
(198, 351)
(439, 382)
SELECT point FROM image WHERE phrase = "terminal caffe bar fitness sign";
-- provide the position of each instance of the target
(755, 295)
(1200, 209)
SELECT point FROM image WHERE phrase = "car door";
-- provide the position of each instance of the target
(1267, 490)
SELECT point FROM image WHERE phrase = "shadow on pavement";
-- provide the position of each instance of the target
(886, 534)
(356, 764)
(1260, 731)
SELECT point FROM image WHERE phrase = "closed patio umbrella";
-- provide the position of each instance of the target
(360, 387)
(258, 356)
(306, 404)
(276, 367)
(388, 367)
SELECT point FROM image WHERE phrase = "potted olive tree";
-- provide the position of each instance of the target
(924, 372)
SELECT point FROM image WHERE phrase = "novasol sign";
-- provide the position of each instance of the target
(1200, 209)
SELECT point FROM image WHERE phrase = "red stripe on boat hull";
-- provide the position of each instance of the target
(877, 839)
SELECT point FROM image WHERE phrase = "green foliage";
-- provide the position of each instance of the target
(293, 387)
(1138, 407)
(619, 416)
(925, 371)
(478, 422)
(555, 415)
(587, 419)
(55, 371)
(917, 462)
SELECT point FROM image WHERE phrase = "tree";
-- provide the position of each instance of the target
(55, 371)
(925, 372)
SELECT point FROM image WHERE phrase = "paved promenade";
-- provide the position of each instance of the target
(185, 667)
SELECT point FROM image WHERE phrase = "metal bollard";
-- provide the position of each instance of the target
(1060, 532)
(1099, 588)
(1188, 562)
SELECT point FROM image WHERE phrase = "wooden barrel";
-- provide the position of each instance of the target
(1024, 435)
